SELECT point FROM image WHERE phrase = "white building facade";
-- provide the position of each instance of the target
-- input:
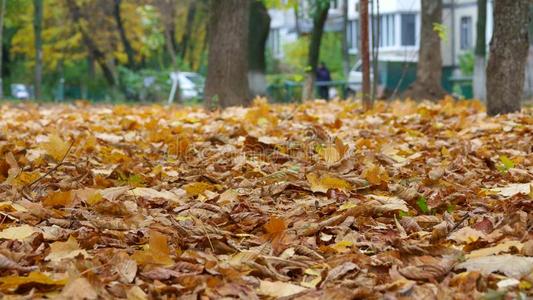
(399, 21)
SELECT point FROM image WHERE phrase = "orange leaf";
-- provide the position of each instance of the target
(58, 199)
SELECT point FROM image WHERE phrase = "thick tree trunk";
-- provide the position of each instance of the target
(259, 27)
(227, 80)
(319, 20)
(479, 65)
(429, 70)
(130, 53)
(365, 55)
(508, 54)
(94, 51)
(2, 14)
(37, 29)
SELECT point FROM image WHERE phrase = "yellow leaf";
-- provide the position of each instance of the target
(347, 206)
(326, 182)
(331, 155)
(136, 293)
(14, 281)
(55, 147)
(17, 233)
(62, 250)
(342, 246)
(158, 252)
(197, 188)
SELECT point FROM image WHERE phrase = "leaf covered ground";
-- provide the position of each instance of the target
(310, 201)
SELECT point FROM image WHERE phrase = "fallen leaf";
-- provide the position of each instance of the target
(513, 189)
(325, 182)
(136, 293)
(14, 281)
(55, 147)
(63, 250)
(17, 233)
(278, 289)
(58, 199)
(197, 188)
(466, 235)
(157, 252)
(79, 289)
(501, 247)
(510, 265)
(331, 155)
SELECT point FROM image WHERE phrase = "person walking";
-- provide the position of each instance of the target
(323, 76)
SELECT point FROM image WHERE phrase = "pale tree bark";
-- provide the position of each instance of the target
(480, 52)
(319, 20)
(429, 70)
(259, 27)
(38, 41)
(375, 50)
(365, 55)
(227, 80)
(508, 54)
(2, 14)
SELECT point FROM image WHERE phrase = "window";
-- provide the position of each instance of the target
(353, 34)
(408, 27)
(334, 4)
(466, 33)
(386, 30)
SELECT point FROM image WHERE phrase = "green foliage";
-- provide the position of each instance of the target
(330, 53)
(423, 205)
(505, 164)
(441, 30)
(466, 63)
(133, 83)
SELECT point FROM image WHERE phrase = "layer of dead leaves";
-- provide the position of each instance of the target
(310, 201)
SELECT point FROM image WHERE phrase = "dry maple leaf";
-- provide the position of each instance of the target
(55, 147)
(275, 231)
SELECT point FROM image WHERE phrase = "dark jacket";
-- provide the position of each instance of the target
(322, 74)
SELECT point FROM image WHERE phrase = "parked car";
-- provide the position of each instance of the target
(355, 77)
(20, 91)
(191, 85)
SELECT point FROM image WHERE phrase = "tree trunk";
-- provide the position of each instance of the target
(189, 25)
(37, 29)
(479, 64)
(94, 51)
(170, 47)
(130, 53)
(2, 14)
(507, 59)
(227, 80)
(345, 55)
(429, 70)
(259, 27)
(319, 20)
(365, 55)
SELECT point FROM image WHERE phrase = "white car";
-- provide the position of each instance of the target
(20, 91)
(191, 85)
(355, 77)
